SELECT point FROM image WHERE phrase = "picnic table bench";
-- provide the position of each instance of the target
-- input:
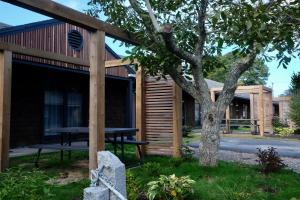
(114, 136)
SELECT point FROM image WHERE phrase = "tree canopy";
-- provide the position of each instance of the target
(183, 38)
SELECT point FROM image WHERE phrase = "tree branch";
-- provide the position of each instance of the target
(230, 84)
(201, 27)
(152, 16)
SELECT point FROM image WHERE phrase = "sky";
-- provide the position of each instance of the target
(279, 78)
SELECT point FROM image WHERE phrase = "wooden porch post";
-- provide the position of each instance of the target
(270, 112)
(5, 98)
(177, 120)
(227, 116)
(252, 112)
(97, 96)
(261, 112)
(139, 102)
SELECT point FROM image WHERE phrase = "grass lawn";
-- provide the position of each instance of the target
(65, 181)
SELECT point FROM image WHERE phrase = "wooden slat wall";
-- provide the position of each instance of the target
(158, 108)
(53, 38)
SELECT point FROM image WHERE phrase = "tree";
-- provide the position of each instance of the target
(257, 75)
(295, 83)
(295, 101)
(294, 112)
(191, 33)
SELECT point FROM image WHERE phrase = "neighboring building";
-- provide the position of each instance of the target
(282, 108)
(49, 94)
(239, 107)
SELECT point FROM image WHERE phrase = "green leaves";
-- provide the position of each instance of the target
(170, 187)
(249, 25)
(273, 27)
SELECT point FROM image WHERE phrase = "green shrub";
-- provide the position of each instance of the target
(176, 162)
(277, 123)
(284, 132)
(170, 187)
(152, 168)
(134, 191)
(295, 108)
(16, 183)
(186, 130)
(269, 160)
(187, 153)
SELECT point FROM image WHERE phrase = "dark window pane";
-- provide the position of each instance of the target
(53, 110)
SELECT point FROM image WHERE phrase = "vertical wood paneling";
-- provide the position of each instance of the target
(53, 38)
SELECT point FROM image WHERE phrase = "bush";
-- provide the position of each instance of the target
(16, 183)
(170, 187)
(152, 168)
(187, 153)
(186, 130)
(277, 123)
(295, 108)
(269, 160)
(284, 132)
(133, 186)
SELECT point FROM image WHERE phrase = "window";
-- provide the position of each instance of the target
(197, 114)
(62, 110)
(74, 109)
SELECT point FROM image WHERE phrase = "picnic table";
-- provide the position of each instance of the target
(114, 136)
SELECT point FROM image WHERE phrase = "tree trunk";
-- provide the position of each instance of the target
(210, 136)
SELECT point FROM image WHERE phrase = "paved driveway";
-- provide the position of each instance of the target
(285, 148)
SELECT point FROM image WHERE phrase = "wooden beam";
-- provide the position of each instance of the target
(42, 54)
(270, 114)
(242, 88)
(119, 62)
(97, 97)
(261, 111)
(227, 119)
(139, 103)
(177, 120)
(5, 101)
(252, 112)
(69, 15)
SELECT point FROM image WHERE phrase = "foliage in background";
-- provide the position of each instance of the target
(295, 83)
(284, 131)
(187, 153)
(269, 160)
(277, 123)
(186, 130)
(17, 183)
(295, 108)
(257, 75)
(170, 187)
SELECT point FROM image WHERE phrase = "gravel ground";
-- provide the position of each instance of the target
(250, 158)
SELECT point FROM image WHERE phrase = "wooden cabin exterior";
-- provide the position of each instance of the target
(47, 93)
